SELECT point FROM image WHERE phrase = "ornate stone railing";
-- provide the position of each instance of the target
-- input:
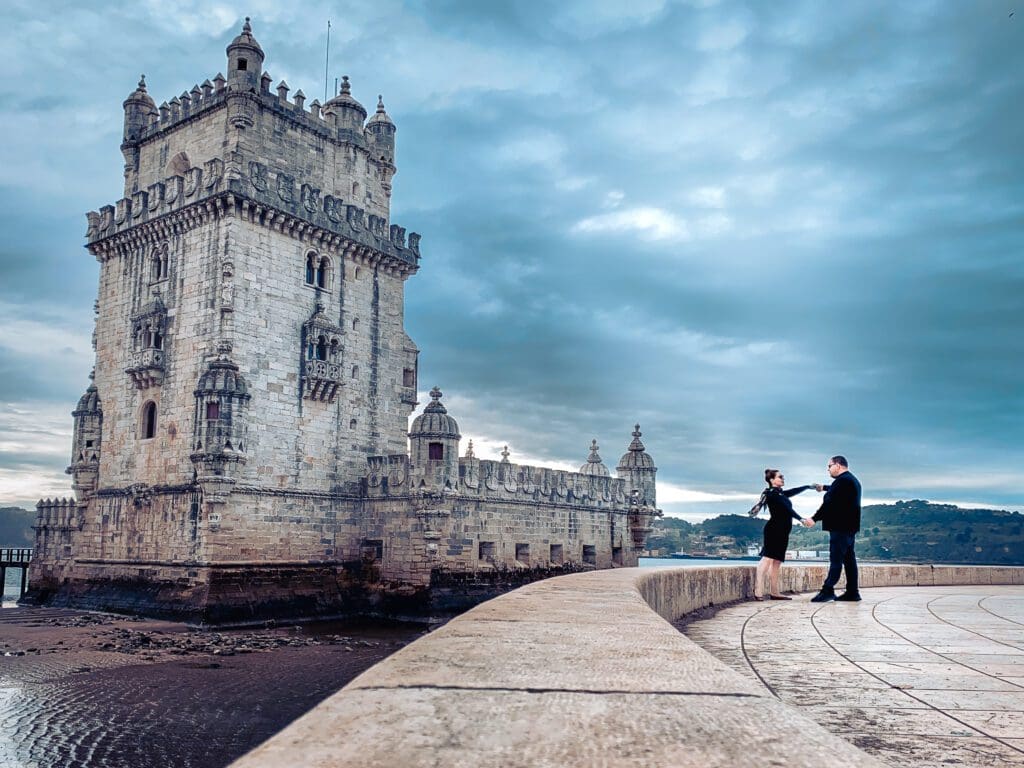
(147, 368)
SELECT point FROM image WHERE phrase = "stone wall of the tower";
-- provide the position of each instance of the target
(190, 294)
(295, 441)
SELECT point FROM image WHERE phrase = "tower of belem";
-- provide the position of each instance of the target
(244, 448)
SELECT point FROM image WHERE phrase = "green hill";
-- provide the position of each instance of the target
(907, 531)
(16, 527)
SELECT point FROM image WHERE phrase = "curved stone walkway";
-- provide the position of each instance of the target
(917, 676)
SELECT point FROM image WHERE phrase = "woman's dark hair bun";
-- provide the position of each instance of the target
(769, 474)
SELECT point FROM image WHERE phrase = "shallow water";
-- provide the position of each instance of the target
(69, 703)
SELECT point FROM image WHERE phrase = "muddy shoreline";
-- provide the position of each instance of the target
(90, 690)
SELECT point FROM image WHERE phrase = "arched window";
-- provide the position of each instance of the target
(149, 420)
(158, 265)
(355, 323)
(352, 424)
(310, 268)
(321, 348)
(355, 371)
(355, 191)
(322, 271)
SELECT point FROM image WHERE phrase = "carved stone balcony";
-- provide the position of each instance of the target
(147, 369)
(321, 380)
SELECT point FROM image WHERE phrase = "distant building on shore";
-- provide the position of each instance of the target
(244, 448)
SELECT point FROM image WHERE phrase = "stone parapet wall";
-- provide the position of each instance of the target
(581, 670)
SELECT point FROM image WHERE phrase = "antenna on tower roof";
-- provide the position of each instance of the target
(327, 58)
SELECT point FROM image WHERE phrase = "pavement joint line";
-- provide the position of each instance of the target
(928, 605)
(536, 689)
(904, 691)
(750, 663)
(946, 656)
(998, 616)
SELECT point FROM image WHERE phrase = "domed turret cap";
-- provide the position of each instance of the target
(246, 40)
(345, 99)
(435, 421)
(141, 95)
(222, 377)
(89, 402)
(636, 457)
(380, 116)
(594, 465)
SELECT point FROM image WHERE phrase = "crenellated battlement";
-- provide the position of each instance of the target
(203, 99)
(276, 198)
(56, 514)
(486, 478)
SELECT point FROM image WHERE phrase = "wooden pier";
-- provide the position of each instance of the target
(15, 558)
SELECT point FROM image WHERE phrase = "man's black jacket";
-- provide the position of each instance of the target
(840, 509)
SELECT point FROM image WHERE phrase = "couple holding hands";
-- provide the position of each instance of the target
(839, 514)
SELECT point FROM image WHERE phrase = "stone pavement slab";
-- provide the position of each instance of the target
(917, 676)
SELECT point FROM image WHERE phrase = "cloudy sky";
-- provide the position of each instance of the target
(768, 232)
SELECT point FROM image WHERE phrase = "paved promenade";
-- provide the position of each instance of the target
(917, 676)
(586, 671)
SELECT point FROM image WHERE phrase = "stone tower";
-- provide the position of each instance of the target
(250, 344)
(243, 450)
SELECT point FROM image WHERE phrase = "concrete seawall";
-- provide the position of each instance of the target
(581, 670)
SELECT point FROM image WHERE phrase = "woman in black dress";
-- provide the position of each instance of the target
(776, 533)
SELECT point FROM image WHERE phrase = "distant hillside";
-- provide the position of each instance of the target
(907, 531)
(16, 527)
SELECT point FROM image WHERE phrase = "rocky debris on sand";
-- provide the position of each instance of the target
(199, 641)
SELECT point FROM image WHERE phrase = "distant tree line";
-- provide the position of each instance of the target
(16, 527)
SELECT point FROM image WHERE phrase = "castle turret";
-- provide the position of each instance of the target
(85, 448)
(434, 438)
(348, 113)
(245, 61)
(594, 465)
(219, 432)
(138, 111)
(637, 468)
(383, 132)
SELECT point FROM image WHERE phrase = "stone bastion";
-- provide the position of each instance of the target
(582, 670)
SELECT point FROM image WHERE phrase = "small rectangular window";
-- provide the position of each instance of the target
(408, 377)
(590, 554)
(88, 443)
(243, 65)
(212, 411)
(557, 558)
(372, 549)
(523, 553)
(486, 550)
(435, 452)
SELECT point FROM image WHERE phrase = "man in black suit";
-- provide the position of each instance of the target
(840, 516)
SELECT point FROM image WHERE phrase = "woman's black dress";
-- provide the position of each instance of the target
(776, 530)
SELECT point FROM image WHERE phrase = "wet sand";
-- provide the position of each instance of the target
(86, 690)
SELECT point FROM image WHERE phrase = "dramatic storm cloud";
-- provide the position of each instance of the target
(768, 232)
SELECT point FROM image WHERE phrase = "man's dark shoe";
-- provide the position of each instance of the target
(849, 597)
(823, 597)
